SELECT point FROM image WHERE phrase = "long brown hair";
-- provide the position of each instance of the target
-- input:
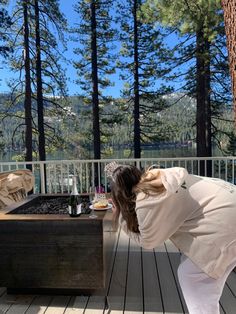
(127, 181)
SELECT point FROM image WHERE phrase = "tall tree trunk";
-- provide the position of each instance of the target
(95, 100)
(229, 7)
(137, 145)
(202, 106)
(208, 107)
(28, 101)
(40, 105)
(201, 97)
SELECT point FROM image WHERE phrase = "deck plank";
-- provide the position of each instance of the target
(58, 304)
(77, 305)
(21, 304)
(222, 310)
(134, 289)
(96, 305)
(153, 302)
(171, 300)
(6, 301)
(228, 301)
(116, 291)
(231, 282)
(174, 257)
(39, 304)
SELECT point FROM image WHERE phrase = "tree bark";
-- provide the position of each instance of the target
(201, 106)
(203, 114)
(229, 8)
(40, 105)
(95, 99)
(28, 100)
(208, 107)
(136, 114)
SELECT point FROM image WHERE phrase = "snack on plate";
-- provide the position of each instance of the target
(100, 204)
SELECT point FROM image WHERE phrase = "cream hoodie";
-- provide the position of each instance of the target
(198, 214)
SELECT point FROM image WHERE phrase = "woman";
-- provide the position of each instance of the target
(198, 214)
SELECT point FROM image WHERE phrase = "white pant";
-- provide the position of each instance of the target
(201, 292)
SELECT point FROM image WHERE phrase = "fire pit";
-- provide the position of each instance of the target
(50, 205)
(44, 206)
(44, 250)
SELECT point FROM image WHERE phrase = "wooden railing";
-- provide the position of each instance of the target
(54, 176)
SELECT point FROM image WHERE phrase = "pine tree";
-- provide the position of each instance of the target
(142, 51)
(200, 27)
(95, 61)
(28, 91)
(5, 23)
(47, 11)
(231, 147)
(39, 88)
(43, 71)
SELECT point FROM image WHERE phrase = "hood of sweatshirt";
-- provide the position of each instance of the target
(171, 178)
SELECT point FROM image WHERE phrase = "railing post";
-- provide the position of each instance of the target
(42, 177)
(233, 160)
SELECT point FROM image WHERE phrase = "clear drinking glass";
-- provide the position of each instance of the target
(92, 196)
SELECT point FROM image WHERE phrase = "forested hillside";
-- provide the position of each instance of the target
(169, 60)
(174, 125)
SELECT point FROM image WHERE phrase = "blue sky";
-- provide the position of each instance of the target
(67, 7)
(72, 17)
(73, 88)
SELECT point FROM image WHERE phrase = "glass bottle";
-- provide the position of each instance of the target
(74, 206)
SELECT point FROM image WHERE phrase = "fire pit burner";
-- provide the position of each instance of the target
(47, 206)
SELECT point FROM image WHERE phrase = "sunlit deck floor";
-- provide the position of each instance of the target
(140, 282)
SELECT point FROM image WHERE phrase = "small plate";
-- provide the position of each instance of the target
(105, 208)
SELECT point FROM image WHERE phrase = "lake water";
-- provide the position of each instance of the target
(146, 153)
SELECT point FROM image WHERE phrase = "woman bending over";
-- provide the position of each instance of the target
(198, 214)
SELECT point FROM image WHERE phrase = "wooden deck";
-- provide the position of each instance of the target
(140, 282)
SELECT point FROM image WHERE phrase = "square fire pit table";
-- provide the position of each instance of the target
(54, 253)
